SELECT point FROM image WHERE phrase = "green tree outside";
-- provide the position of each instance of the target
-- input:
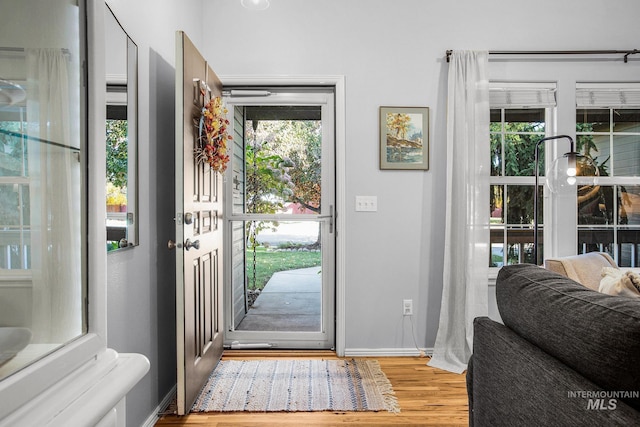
(283, 161)
(117, 152)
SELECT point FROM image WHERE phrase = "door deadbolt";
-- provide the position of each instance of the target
(188, 218)
(172, 245)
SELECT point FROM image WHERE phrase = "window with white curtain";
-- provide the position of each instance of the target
(521, 115)
(15, 236)
(608, 129)
(44, 233)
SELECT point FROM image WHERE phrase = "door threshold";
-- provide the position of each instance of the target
(263, 354)
(237, 345)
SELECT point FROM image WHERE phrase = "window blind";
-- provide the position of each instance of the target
(522, 95)
(608, 95)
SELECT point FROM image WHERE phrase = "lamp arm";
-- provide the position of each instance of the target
(572, 144)
(535, 190)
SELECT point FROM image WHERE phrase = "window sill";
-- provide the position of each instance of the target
(493, 275)
(17, 279)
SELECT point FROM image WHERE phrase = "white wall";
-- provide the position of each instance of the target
(392, 53)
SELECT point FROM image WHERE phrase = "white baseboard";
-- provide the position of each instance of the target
(155, 415)
(386, 352)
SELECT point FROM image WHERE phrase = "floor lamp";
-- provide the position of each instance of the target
(561, 177)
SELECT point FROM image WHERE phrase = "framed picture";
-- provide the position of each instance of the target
(404, 138)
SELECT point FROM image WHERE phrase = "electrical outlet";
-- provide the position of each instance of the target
(407, 307)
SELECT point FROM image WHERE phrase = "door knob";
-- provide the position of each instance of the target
(189, 244)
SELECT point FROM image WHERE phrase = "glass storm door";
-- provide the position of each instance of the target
(280, 284)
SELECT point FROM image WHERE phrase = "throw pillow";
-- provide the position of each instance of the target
(618, 282)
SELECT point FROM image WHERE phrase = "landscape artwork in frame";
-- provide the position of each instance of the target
(404, 138)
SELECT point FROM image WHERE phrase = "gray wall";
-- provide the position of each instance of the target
(141, 292)
(392, 54)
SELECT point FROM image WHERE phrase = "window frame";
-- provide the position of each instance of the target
(523, 95)
(18, 274)
(554, 209)
(604, 93)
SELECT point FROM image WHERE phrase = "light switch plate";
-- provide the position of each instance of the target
(366, 203)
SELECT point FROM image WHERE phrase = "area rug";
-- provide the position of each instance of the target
(297, 385)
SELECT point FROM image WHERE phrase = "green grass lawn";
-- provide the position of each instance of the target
(269, 262)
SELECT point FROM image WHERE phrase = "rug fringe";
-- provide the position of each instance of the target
(385, 387)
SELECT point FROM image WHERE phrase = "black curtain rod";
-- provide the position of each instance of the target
(560, 52)
(35, 138)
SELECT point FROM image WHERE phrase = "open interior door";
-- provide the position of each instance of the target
(199, 240)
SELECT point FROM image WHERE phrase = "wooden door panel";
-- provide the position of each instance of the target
(198, 289)
(207, 183)
(191, 328)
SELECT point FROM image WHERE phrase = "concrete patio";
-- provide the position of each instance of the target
(290, 301)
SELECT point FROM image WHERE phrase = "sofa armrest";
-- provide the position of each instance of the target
(585, 269)
(515, 383)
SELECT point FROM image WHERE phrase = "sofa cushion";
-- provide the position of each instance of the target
(615, 281)
(595, 334)
(584, 268)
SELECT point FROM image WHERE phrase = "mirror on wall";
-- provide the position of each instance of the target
(121, 135)
(43, 207)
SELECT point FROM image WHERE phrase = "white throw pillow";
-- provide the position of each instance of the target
(618, 282)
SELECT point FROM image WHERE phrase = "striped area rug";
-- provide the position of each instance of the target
(297, 385)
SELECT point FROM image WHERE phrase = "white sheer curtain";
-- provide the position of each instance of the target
(466, 257)
(54, 185)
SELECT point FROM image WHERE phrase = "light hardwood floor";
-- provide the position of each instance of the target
(427, 397)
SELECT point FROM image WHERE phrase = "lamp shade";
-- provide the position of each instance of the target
(562, 176)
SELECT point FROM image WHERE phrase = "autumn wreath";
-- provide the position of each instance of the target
(211, 147)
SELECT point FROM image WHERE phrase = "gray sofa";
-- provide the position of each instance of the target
(566, 355)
